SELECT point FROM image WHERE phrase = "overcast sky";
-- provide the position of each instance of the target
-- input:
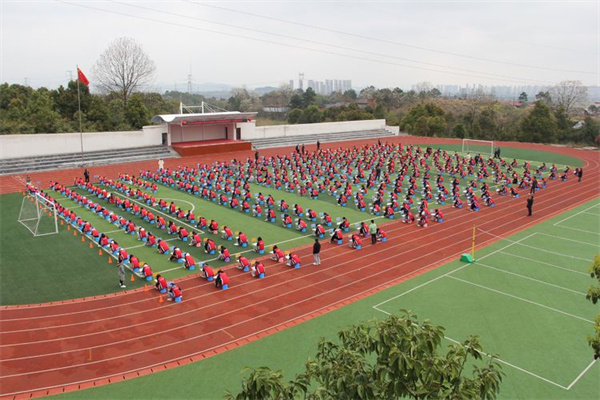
(260, 43)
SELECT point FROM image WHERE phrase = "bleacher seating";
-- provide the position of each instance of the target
(282, 141)
(73, 160)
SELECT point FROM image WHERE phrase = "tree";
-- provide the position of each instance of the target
(136, 112)
(569, 95)
(593, 295)
(124, 68)
(539, 125)
(523, 99)
(395, 358)
(544, 96)
(308, 98)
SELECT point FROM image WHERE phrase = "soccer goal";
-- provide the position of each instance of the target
(478, 146)
(38, 215)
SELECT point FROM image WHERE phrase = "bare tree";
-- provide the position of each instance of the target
(124, 68)
(569, 95)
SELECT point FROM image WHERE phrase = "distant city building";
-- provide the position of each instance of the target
(327, 86)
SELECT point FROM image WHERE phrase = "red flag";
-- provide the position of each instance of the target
(82, 77)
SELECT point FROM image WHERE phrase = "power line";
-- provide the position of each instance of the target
(510, 79)
(355, 35)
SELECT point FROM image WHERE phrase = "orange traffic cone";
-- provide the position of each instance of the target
(69, 227)
(145, 288)
(91, 245)
(83, 239)
(132, 278)
(161, 300)
(110, 260)
(74, 232)
(62, 223)
(100, 252)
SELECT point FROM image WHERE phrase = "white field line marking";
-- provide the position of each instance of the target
(522, 299)
(592, 213)
(506, 247)
(579, 230)
(142, 245)
(498, 359)
(574, 215)
(545, 263)
(169, 217)
(531, 279)
(401, 236)
(549, 252)
(183, 201)
(581, 374)
(596, 245)
(222, 344)
(116, 230)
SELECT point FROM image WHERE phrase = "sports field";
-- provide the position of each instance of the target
(521, 288)
(525, 298)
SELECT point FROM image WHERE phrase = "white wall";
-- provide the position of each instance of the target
(261, 132)
(42, 144)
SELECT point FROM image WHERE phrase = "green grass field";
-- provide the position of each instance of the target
(525, 298)
(55, 257)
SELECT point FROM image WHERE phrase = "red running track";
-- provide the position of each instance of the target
(51, 348)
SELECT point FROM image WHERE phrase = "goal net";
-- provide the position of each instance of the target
(478, 147)
(38, 215)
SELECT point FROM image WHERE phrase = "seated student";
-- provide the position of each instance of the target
(257, 210)
(311, 214)
(344, 224)
(245, 206)
(146, 271)
(183, 233)
(161, 282)
(326, 219)
(298, 210)
(300, 225)
(474, 205)
(142, 235)
(174, 292)
(259, 245)
(189, 261)
(177, 254)
(270, 215)
(243, 263)
(355, 241)
(286, 220)
(227, 233)
(241, 239)
(172, 228)
(409, 218)
(277, 254)
(437, 215)
(389, 212)
(209, 245)
(293, 259)
(364, 229)
(257, 269)
(213, 227)
(201, 223)
(319, 230)
(224, 254)
(489, 201)
(221, 279)
(234, 203)
(151, 240)
(206, 271)
(376, 209)
(502, 190)
(336, 236)
(514, 192)
(134, 261)
(283, 206)
(114, 246)
(380, 234)
(123, 255)
(457, 203)
(196, 240)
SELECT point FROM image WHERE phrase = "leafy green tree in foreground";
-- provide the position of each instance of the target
(389, 359)
(593, 295)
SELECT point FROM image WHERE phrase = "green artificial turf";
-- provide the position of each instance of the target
(531, 313)
(48, 268)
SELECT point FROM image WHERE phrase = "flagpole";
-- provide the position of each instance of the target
(80, 123)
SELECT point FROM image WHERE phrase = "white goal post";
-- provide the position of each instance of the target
(38, 214)
(478, 146)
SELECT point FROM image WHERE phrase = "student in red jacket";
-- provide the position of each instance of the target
(270, 215)
(214, 227)
(381, 234)
(189, 261)
(243, 263)
(257, 269)
(259, 245)
(293, 259)
(277, 254)
(221, 279)
(355, 241)
(224, 255)
(336, 236)
(319, 230)
(227, 233)
(146, 271)
(174, 292)
(161, 283)
(209, 246)
(241, 239)
(196, 240)
(206, 271)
